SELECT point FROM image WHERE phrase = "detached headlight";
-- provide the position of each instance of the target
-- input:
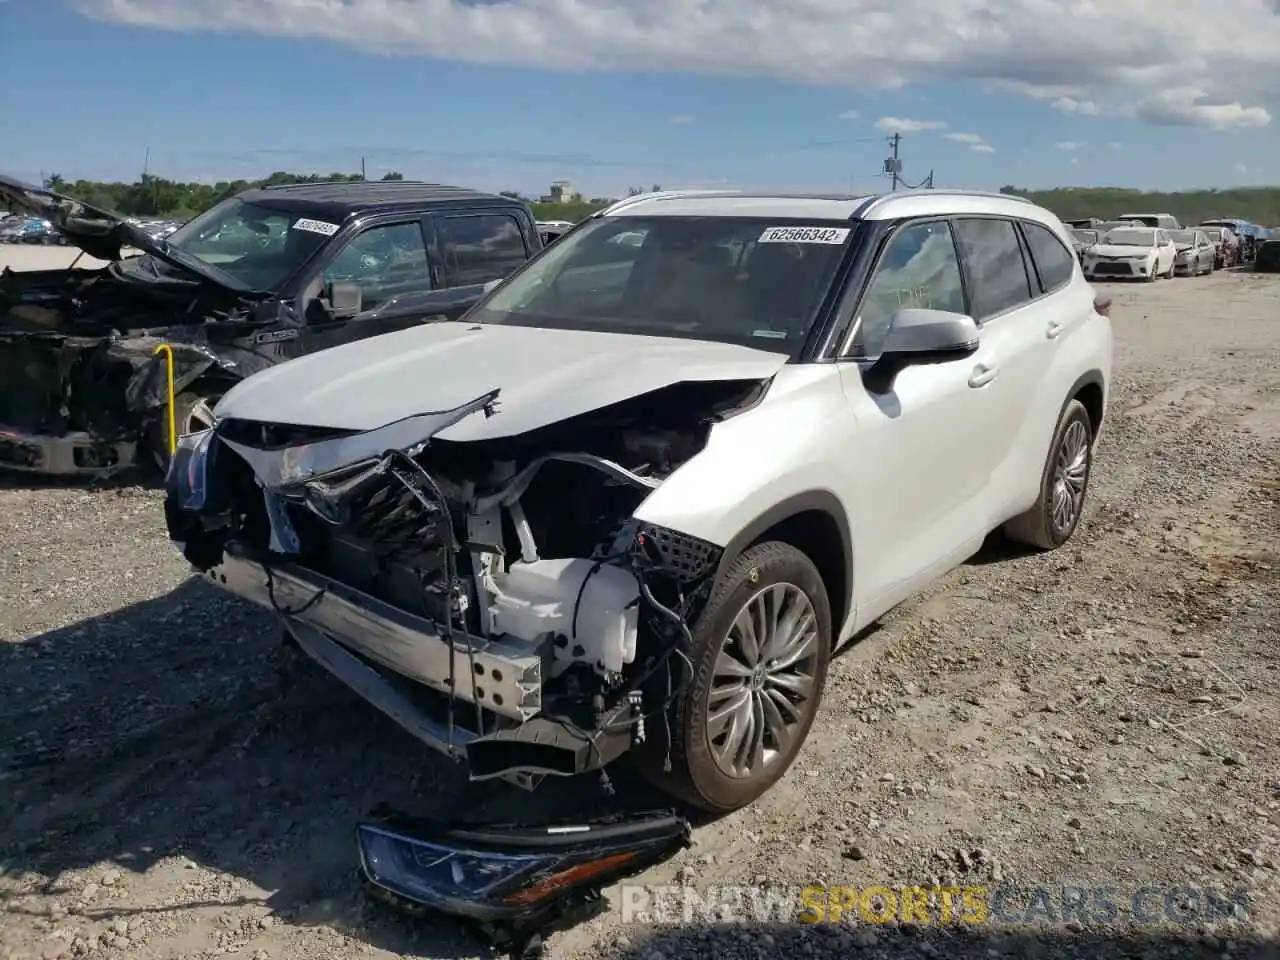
(511, 875)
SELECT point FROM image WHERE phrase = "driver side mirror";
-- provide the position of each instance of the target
(917, 335)
(343, 299)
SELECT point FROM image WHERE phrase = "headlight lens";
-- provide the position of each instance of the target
(497, 879)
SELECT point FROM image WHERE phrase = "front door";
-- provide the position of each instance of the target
(389, 264)
(922, 453)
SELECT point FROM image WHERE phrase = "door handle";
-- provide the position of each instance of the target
(982, 375)
(1053, 329)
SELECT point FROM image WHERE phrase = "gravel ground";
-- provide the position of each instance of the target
(1104, 715)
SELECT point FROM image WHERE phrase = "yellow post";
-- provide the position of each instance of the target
(173, 424)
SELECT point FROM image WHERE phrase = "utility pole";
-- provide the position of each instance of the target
(146, 163)
(893, 166)
(362, 176)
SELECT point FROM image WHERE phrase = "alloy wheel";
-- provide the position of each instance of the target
(1070, 476)
(763, 686)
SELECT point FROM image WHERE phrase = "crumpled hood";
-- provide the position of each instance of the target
(1117, 250)
(100, 233)
(544, 376)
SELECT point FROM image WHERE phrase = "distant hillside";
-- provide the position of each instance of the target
(1260, 205)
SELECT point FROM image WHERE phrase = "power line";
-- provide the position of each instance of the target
(893, 167)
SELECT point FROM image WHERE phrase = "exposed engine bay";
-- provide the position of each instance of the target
(560, 621)
(78, 363)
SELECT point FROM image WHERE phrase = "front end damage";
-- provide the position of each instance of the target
(496, 598)
(79, 376)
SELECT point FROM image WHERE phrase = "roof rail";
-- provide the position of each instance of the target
(661, 195)
(871, 203)
(329, 183)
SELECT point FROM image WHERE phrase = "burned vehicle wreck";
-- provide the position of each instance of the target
(580, 522)
(259, 278)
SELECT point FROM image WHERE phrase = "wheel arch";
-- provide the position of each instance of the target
(1091, 390)
(815, 523)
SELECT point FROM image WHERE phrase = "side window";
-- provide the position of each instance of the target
(386, 261)
(1054, 262)
(917, 268)
(482, 248)
(997, 270)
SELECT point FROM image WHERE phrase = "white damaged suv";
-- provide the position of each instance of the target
(635, 497)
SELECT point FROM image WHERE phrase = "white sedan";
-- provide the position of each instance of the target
(1128, 253)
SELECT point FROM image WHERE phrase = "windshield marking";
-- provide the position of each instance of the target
(316, 226)
(832, 235)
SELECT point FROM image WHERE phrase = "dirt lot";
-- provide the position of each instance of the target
(1103, 715)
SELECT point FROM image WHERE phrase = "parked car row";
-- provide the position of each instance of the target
(1234, 241)
(25, 229)
(544, 537)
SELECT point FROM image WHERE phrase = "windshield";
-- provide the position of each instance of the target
(1086, 236)
(1131, 238)
(739, 280)
(1182, 236)
(256, 245)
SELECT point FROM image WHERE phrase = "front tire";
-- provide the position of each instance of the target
(192, 411)
(1064, 484)
(760, 652)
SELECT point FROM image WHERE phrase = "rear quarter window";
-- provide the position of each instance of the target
(1054, 263)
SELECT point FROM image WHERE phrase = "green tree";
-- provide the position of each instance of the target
(1259, 205)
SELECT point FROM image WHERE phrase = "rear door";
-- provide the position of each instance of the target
(1020, 325)
(475, 248)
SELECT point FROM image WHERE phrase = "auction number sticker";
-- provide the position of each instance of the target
(317, 226)
(834, 235)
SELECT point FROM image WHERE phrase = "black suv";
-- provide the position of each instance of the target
(259, 278)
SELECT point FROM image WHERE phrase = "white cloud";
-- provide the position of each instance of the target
(972, 140)
(1071, 105)
(905, 125)
(682, 118)
(1070, 146)
(850, 115)
(1191, 106)
(1078, 53)
(1241, 169)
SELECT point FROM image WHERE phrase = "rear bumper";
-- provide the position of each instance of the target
(74, 454)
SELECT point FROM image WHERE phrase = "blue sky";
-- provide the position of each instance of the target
(217, 95)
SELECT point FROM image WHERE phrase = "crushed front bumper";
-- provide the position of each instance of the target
(370, 646)
(74, 454)
(506, 681)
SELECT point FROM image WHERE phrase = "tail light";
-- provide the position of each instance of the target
(1102, 305)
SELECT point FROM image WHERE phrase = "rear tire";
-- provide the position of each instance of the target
(1064, 484)
(735, 677)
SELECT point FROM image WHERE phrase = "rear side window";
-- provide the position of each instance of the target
(997, 270)
(482, 248)
(1054, 262)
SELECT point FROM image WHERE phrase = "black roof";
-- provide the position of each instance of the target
(338, 199)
